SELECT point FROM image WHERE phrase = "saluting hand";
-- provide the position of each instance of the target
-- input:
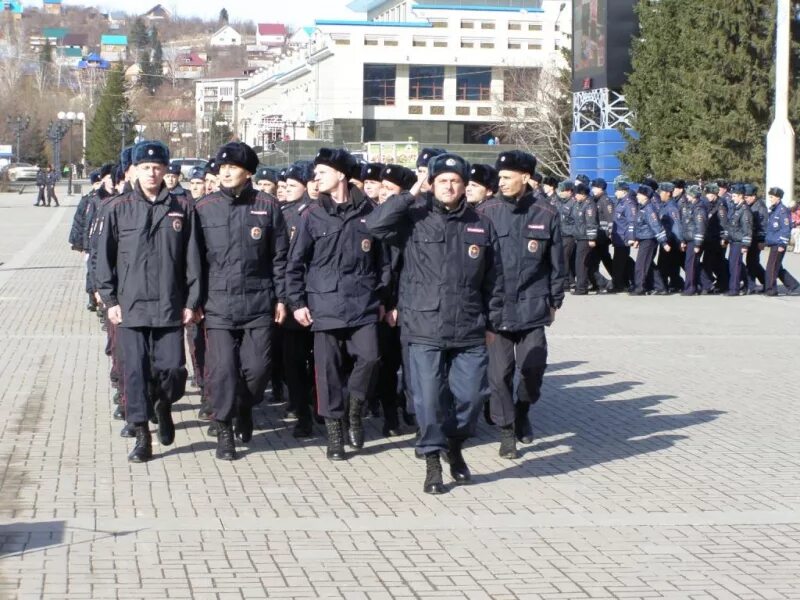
(303, 316)
(115, 314)
(280, 313)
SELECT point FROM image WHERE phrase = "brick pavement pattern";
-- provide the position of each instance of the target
(665, 465)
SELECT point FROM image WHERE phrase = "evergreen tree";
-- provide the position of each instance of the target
(156, 65)
(145, 69)
(700, 89)
(219, 134)
(104, 137)
(46, 54)
(223, 16)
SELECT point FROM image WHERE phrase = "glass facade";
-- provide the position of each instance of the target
(426, 82)
(379, 85)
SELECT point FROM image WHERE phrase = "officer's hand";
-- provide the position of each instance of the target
(97, 298)
(683, 247)
(723, 243)
(188, 316)
(280, 313)
(781, 249)
(761, 246)
(552, 316)
(303, 316)
(667, 248)
(391, 318)
(115, 314)
(199, 315)
(635, 244)
(697, 250)
(490, 337)
(744, 249)
(592, 244)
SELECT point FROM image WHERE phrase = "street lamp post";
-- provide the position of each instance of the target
(55, 133)
(17, 125)
(245, 122)
(68, 118)
(126, 119)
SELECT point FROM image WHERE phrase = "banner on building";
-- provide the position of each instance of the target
(398, 153)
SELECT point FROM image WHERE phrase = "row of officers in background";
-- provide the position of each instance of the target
(353, 287)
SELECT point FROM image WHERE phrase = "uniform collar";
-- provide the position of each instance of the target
(162, 196)
(521, 204)
(244, 195)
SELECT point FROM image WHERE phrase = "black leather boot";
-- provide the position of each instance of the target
(119, 413)
(522, 424)
(244, 423)
(433, 474)
(117, 398)
(303, 428)
(356, 430)
(226, 447)
(335, 439)
(508, 443)
(143, 450)
(205, 412)
(128, 431)
(166, 428)
(459, 470)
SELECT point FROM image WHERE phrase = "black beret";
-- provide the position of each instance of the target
(566, 186)
(212, 168)
(737, 188)
(302, 171)
(582, 178)
(666, 186)
(428, 153)
(197, 173)
(551, 181)
(679, 183)
(401, 176)
(645, 190)
(126, 157)
(485, 175)
(581, 188)
(267, 173)
(174, 168)
(448, 163)
(150, 151)
(239, 154)
(106, 169)
(95, 176)
(651, 183)
(775, 191)
(370, 171)
(339, 159)
(750, 189)
(516, 160)
(599, 183)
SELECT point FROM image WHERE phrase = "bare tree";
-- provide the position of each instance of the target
(536, 109)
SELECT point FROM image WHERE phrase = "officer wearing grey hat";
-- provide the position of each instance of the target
(451, 290)
(714, 275)
(694, 222)
(148, 276)
(740, 236)
(243, 245)
(337, 279)
(758, 208)
(172, 179)
(266, 180)
(623, 236)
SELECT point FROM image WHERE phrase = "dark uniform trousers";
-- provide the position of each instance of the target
(511, 353)
(238, 366)
(196, 339)
(114, 351)
(755, 272)
(645, 274)
(51, 195)
(774, 266)
(568, 243)
(622, 268)
(714, 266)
(583, 265)
(450, 387)
(279, 385)
(41, 197)
(335, 351)
(391, 359)
(691, 267)
(669, 267)
(152, 354)
(735, 267)
(297, 346)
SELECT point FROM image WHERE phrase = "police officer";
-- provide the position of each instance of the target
(371, 177)
(212, 176)
(584, 217)
(266, 180)
(623, 237)
(52, 180)
(564, 204)
(451, 290)
(755, 272)
(337, 278)
(425, 155)
(297, 341)
(483, 182)
(669, 263)
(549, 188)
(649, 235)
(77, 234)
(694, 222)
(740, 237)
(197, 185)
(679, 194)
(280, 187)
(41, 184)
(243, 243)
(779, 229)
(148, 274)
(605, 221)
(529, 233)
(172, 179)
(714, 277)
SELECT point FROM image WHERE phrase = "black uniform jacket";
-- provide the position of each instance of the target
(292, 211)
(147, 260)
(336, 267)
(451, 281)
(529, 232)
(243, 245)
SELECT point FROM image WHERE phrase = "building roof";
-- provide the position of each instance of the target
(13, 6)
(364, 5)
(52, 1)
(529, 9)
(109, 39)
(223, 28)
(271, 29)
(158, 11)
(336, 22)
(190, 59)
(75, 39)
(54, 32)
(71, 52)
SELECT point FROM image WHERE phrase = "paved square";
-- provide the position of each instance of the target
(666, 465)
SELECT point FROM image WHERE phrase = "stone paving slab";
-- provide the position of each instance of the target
(665, 466)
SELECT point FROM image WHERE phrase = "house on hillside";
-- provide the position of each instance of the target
(94, 61)
(158, 13)
(302, 37)
(116, 20)
(75, 41)
(52, 7)
(113, 47)
(53, 35)
(226, 36)
(189, 65)
(13, 8)
(270, 35)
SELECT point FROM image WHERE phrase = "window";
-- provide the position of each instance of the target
(465, 44)
(473, 83)
(514, 26)
(487, 25)
(487, 45)
(390, 42)
(437, 110)
(370, 42)
(226, 91)
(484, 111)
(417, 43)
(425, 82)
(467, 25)
(415, 109)
(462, 111)
(514, 46)
(342, 42)
(535, 46)
(379, 84)
(439, 44)
(519, 85)
(534, 26)
(437, 24)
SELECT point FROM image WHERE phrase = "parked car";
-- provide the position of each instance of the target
(187, 164)
(21, 172)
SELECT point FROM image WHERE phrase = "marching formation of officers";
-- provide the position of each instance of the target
(372, 288)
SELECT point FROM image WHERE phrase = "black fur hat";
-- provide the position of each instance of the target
(265, 173)
(427, 154)
(516, 160)
(149, 151)
(485, 175)
(239, 154)
(95, 176)
(126, 157)
(339, 159)
(371, 172)
(302, 171)
(174, 168)
(107, 169)
(401, 176)
(448, 163)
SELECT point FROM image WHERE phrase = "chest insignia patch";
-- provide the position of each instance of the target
(536, 227)
(474, 251)
(475, 230)
(175, 214)
(259, 212)
(366, 245)
(177, 224)
(533, 246)
(256, 233)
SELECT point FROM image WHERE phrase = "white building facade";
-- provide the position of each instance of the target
(216, 97)
(428, 70)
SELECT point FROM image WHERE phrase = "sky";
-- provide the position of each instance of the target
(292, 12)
